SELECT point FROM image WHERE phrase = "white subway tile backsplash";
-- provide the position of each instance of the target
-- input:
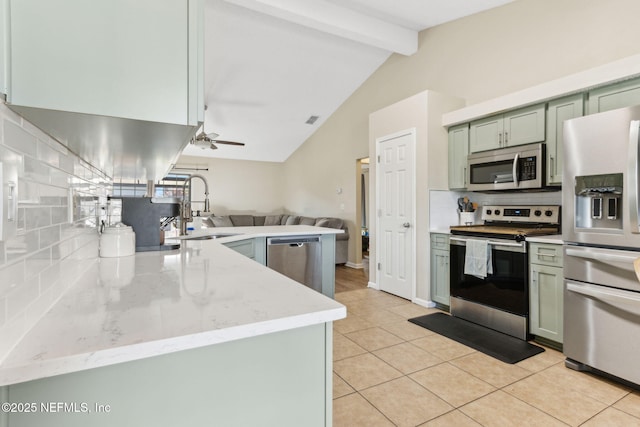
(18, 139)
(49, 236)
(42, 260)
(36, 263)
(36, 217)
(47, 154)
(21, 245)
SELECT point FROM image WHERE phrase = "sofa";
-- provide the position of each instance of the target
(342, 240)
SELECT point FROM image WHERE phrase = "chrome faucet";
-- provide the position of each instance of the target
(185, 208)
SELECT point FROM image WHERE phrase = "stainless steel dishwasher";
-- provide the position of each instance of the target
(297, 257)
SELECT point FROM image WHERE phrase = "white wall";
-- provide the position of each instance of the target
(422, 112)
(237, 186)
(476, 58)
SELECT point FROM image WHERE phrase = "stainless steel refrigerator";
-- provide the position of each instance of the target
(601, 241)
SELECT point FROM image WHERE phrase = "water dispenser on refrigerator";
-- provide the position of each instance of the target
(598, 201)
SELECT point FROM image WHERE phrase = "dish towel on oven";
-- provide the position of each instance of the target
(477, 259)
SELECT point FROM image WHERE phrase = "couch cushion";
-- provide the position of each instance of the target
(292, 220)
(305, 220)
(221, 221)
(259, 220)
(272, 220)
(329, 223)
(241, 220)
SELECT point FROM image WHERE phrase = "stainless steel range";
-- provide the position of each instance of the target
(489, 266)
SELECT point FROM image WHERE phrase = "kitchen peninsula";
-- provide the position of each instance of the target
(197, 336)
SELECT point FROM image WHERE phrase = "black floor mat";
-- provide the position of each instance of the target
(492, 343)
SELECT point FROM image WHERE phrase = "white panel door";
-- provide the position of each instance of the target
(396, 214)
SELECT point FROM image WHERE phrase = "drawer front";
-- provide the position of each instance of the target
(440, 241)
(545, 254)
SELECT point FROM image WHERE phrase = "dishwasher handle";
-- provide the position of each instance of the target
(293, 240)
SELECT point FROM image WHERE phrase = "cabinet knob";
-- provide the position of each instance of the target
(406, 225)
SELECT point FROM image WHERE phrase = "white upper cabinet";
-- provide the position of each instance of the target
(136, 60)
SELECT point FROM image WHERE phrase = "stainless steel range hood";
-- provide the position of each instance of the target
(120, 147)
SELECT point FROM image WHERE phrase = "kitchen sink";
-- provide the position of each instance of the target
(211, 236)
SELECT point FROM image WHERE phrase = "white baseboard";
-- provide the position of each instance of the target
(424, 303)
(373, 286)
(354, 265)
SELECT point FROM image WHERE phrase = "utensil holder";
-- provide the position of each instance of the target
(467, 218)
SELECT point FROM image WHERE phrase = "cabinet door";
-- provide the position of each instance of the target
(546, 302)
(458, 151)
(558, 111)
(485, 134)
(244, 247)
(524, 126)
(116, 58)
(440, 276)
(620, 95)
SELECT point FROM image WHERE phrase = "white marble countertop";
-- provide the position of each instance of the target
(555, 239)
(240, 233)
(154, 303)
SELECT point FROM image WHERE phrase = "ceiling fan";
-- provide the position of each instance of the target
(208, 140)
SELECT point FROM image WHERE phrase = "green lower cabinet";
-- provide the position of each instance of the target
(546, 302)
(440, 269)
(279, 379)
(254, 248)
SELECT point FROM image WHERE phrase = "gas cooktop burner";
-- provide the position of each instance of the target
(513, 222)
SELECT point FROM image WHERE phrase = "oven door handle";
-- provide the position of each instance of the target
(492, 242)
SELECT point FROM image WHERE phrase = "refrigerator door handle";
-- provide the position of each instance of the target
(632, 176)
(600, 256)
(624, 300)
(515, 169)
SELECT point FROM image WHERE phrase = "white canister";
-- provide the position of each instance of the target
(467, 218)
(118, 240)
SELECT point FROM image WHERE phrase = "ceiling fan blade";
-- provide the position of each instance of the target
(213, 146)
(217, 141)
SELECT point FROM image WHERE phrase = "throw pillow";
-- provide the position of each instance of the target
(305, 220)
(242, 220)
(329, 223)
(292, 220)
(221, 221)
(272, 220)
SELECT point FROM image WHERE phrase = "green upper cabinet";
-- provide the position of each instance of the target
(3, 46)
(114, 58)
(558, 111)
(119, 82)
(619, 95)
(458, 151)
(518, 127)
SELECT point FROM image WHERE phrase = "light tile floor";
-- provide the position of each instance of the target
(389, 372)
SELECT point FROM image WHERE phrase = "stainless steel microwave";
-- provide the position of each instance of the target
(514, 168)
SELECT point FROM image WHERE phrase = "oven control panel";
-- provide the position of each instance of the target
(547, 214)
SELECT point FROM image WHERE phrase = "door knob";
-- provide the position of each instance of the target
(406, 225)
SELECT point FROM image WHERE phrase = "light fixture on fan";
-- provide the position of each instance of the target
(208, 140)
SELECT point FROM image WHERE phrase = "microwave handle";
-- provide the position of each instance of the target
(515, 169)
(632, 193)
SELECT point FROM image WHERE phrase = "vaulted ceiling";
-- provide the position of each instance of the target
(272, 64)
